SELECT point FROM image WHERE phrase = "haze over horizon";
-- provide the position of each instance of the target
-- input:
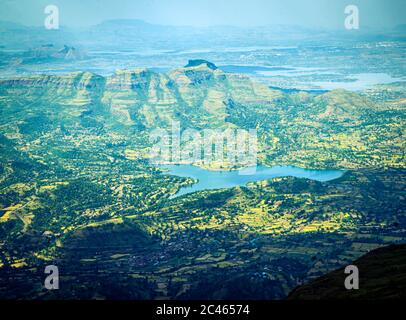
(376, 14)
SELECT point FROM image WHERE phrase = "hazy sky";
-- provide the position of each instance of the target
(319, 13)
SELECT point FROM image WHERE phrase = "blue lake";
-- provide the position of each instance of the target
(353, 82)
(210, 180)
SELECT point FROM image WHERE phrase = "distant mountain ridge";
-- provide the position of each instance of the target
(51, 52)
(128, 32)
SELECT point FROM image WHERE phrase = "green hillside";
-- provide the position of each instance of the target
(77, 187)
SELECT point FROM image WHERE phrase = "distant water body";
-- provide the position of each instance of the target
(360, 82)
(355, 82)
(211, 180)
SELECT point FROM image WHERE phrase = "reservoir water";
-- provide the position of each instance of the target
(210, 180)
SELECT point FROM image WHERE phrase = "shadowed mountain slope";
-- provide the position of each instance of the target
(382, 274)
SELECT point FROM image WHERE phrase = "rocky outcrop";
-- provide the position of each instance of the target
(199, 62)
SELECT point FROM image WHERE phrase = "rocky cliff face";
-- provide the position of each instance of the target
(338, 128)
(197, 93)
(194, 95)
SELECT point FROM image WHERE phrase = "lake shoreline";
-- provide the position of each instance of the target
(214, 180)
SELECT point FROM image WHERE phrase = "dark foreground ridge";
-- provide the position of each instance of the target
(382, 275)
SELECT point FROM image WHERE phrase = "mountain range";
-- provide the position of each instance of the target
(78, 190)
